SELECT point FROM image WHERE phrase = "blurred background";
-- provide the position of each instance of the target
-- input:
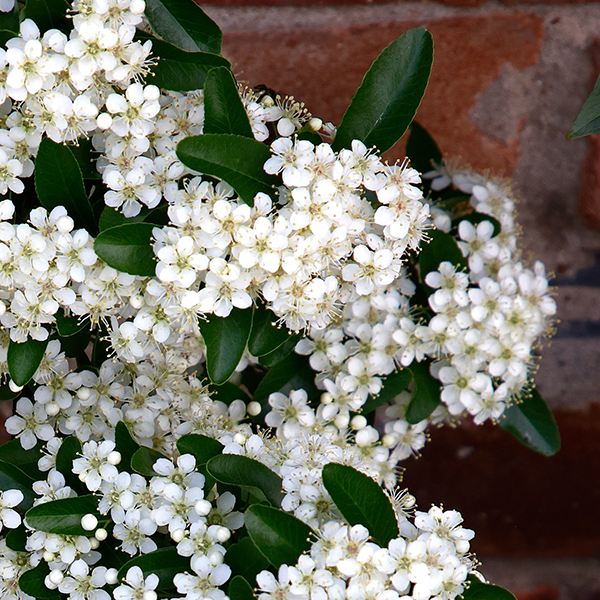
(507, 83)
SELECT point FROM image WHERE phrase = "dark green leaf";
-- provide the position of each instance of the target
(59, 182)
(441, 247)
(533, 424)
(588, 119)
(203, 448)
(12, 478)
(16, 539)
(182, 71)
(9, 21)
(236, 159)
(426, 394)
(165, 563)
(240, 589)
(311, 136)
(86, 158)
(184, 24)
(126, 445)
(248, 474)
(128, 248)
(393, 384)
(292, 373)
(266, 335)
(421, 149)
(225, 339)
(386, 101)
(6, 393)
(48, 14)
(223, 108)
(272, 358)
(227, 393)
(101, 345)
(13, 453)
(69, 450)
(245, 559)
(111, 217)
(64, 516)
(74, 345)
(485, 591)
(362, 501)
(69, 325)
(32, 583)
(279, 536)
(143, 460)
(24, 359)
(6, 35)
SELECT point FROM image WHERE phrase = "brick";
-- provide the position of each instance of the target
(332, 2)
(518, 502)
(323, 67)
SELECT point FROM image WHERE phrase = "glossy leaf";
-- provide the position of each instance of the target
(64, 516)
(86, 158)
(390, 93)
(279, 536)
(588, 119)
(426, 393)
(182, 71)
(9, 21)
(111, 217)
(240, 589)
(7, 394)
(203, 448)
(223, 108)
(74, 345)
(225, 339)
(59, 182)
(248, 474)
(24, 359)
(421, 149)
(69, 450)
(69, 325)
(393, 384)
(49, 14)
(485, 591)
(13, 478)
(281, 352)
(533, 424)
(126, 445)
(228, 392)
(16, 539)
(236, 159)
(266, 336)
(143, 460)
(32, 583)
(12, 452)
(361, 501)
(441, 247)
(164, 562)
(184, 24)
(127, 248)
(245, 559)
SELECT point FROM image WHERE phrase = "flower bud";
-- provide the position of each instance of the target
(56, 576)
(216, 559)
(113, 458)
(177, 535)
(202, 507)
(111, 576)
(94, 543)
(239, 438)
(223, 534)
(104, 121)
(52, 409)
(89, 522)
(149, 595)
(48, 556)
(358, 422)
(101, 534)
(254, 409)
(84, 393)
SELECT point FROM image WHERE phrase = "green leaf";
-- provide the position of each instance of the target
(49, 14)
(203, 448)
(245, 559)
(588, 119)
(236, 159)
(362, 501)
(13, 478)
(24, 359)
(9, 21)
(69, 325)
(248, 474)
(16, 539)
(74, 345)
(393, 384)
(277, 355)
(386, 101)
(69, 450)
(184, 24)
(182, 71)
(7, 394)
(12, 452)
(86, 158)
(223, 108)
(165, 563)
(59, 182)
(32, 583)
(64, 516)
(225, 339)
(143, 460)
(441, 247)
(533, 424)
(421, 149)
(227, 392)
(279, 536)
(126, 445)
(240, 589)
(485, 591)
(293, 372)
(111, 217)
(266, 336)
(426, 394)
(128, 248)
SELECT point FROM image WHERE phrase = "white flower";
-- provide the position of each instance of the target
(8, 500)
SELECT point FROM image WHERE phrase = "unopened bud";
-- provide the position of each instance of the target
(52, 409)
(223, 534)
(94, 543)
(388, 440)
(358, 422)
(104, 121)
(65, 224)
(177, 535)
(113, 458)
(111, 576)
(216, 559)
(56, 576)
(48, 556)
(89, 522)
(101, 534)
(202, 507)
(462, 546)
(326, 398)
(84, 393)
(149, 595)
(239, 438)
(315, 124)
(254, 409)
